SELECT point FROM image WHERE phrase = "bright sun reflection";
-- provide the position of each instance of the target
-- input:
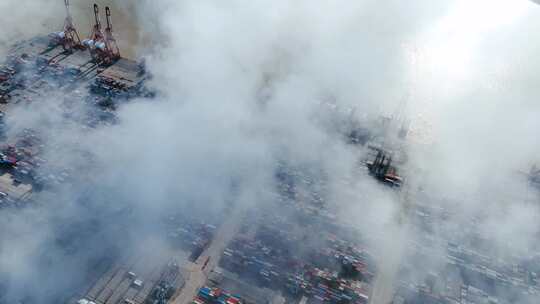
(484, 15)
(448, 49)
(442, 59)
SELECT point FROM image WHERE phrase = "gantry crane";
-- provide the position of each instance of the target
(383, 170)
(68, 38)
(102, 46)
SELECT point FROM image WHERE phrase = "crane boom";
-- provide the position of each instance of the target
(68, 13)
(96, 15)
(108, 15)
(111, 42)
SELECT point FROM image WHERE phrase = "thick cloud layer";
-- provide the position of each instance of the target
(241, 86)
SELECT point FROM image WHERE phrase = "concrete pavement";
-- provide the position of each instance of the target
(198, 271)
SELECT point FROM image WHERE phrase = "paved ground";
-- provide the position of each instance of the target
(197, 272)
(391, 251)
(388, 263)
(383, 287)
(13, 190)
(116, 284)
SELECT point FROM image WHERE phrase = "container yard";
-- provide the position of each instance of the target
(266, 166)
(149, 278)
(208, 295)
(272, 257)
(189, 234)
(89, 72)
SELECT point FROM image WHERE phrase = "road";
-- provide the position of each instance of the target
(197, 272)
(388, 261)
(383, 287)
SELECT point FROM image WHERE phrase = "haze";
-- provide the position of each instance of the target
(242, 87)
